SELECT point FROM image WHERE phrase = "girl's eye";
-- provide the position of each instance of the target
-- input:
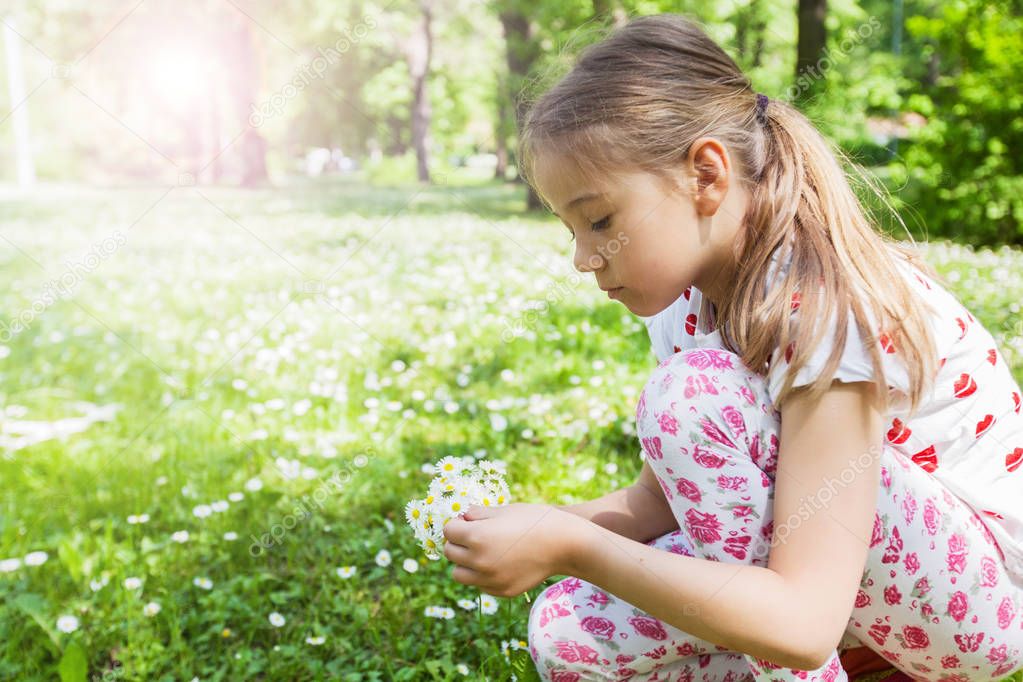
(600, 224)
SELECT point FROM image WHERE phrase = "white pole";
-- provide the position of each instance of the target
(19, 115)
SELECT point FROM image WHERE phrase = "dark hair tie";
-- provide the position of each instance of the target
(762, 108)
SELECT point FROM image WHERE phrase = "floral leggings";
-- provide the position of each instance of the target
(935, 599)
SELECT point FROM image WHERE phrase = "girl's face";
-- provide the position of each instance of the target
(643, 240)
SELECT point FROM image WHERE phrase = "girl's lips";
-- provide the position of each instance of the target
(613, 293)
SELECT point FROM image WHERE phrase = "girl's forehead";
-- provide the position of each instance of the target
(561, 178)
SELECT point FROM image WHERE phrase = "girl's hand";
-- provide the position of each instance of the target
(509, 549)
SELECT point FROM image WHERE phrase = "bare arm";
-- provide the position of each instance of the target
(638, 512)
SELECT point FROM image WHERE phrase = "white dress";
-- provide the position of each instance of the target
(967, 433)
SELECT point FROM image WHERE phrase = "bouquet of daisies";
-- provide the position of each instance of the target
(460, 482)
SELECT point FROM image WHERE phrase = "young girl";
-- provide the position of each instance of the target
(830, 440)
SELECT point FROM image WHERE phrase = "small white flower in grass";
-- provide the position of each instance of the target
(219, 506)
(467, 604)
(9, 565)
(230, 536)
(97, 585)
(134, 519)
(444, 612)
(202, 511)
(132, 583)
(253, 484)
(488, 603)
(203, 583)
(236, 497)
(462, 668)
(180, 536)
(383, 558)
(498, 422)
(67, 623)
(315, 641)
(507, 375)
(276, 619)
(151, 609)
(346, 571)
(410, 565)
(36, 558)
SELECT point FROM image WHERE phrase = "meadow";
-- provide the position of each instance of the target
(215, 404)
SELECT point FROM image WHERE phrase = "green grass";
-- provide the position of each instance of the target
(315, 328)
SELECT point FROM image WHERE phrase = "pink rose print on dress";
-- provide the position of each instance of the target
(747, 395)
(598, 598)
(648, 627)
(574, 652)
(911, 563)
(565, 676)
(862, 599)
(551, 612)
(1006, 612)
(950, 661)
(988, 572)
(652, 447)
(739, 483)
(689, 490)
(932, 517)
(598, 627)
(703, 527)
(909, 508)
(733, 417)
(879, 633)
(668, 423)
(956, 553)
(706, 458)
(877, 535)
(958, 605)
(711, 430)
(737, 547)
(913, 637)
(697, 385)
(892, 595)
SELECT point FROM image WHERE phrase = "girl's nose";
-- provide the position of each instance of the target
(587, 262)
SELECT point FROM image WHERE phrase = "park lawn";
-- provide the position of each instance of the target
(216, 403)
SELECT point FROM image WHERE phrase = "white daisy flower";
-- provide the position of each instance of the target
(315, 641)
(498, 422)
(132, 583)
(203, 583)
(276, 619)
(346, 571)
(462, 668)
(410, 565)
(488, 604)
(67, 623)
(253, 484)
(180, 536)
(236, 497)
(97, 585)
(467, 604)
(219, 506)
(230, 536)
(9, 565)
(36, 558)
(202, 511)
(383, 558)
(151, 609)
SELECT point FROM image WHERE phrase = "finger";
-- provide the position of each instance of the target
(475, 512)
(454, 531)
(456, 554)
(466, 575)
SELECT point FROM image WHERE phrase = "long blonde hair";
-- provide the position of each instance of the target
(640, 97)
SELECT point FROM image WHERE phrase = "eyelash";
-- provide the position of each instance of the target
(593, 226)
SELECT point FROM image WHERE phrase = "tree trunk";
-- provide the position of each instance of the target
(810, 48)
(501, 129)
(521, 51)
(25, 166)
(418, 53)
(610, 12)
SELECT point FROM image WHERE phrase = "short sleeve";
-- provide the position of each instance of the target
(855, 362)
